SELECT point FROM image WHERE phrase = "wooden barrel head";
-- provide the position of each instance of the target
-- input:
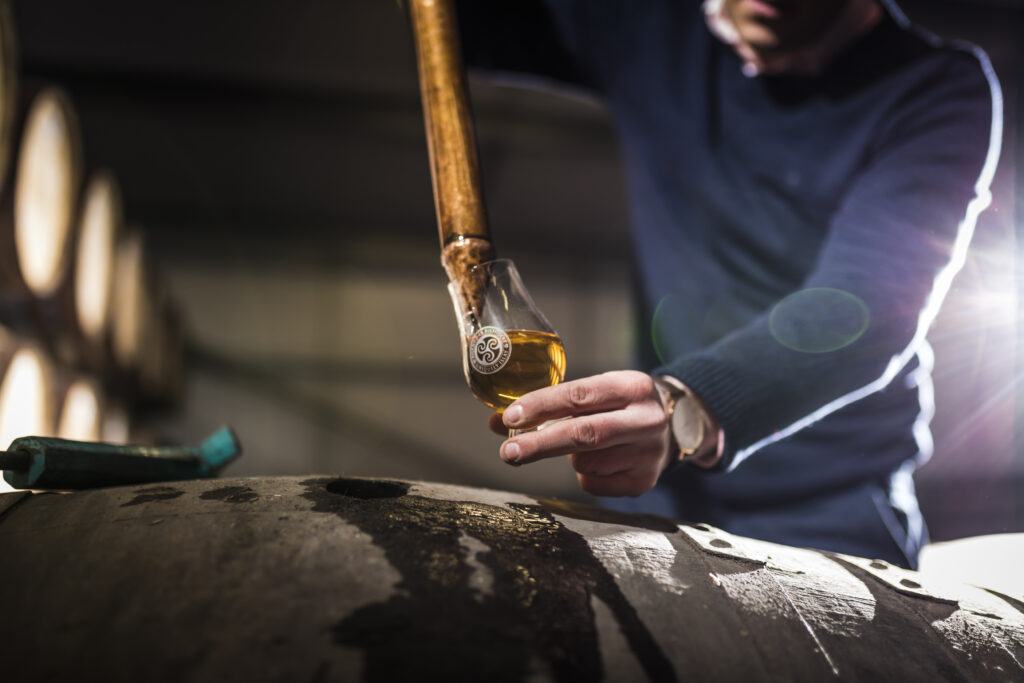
(46, 186)
(26, 399)
(130, 300)
(99, 229)
(81, 412)
(116, 424)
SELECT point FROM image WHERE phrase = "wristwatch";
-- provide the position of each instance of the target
(686, 417)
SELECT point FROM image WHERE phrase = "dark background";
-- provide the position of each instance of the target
(273, 154)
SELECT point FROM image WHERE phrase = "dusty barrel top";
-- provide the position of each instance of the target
(327, 578)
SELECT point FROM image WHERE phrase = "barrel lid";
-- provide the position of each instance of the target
(81, 413)
(99, 228)
(44, 192)
(26, 406)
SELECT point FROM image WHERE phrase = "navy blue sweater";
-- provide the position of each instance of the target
(794, 238)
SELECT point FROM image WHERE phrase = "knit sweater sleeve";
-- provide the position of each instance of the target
(892, 248)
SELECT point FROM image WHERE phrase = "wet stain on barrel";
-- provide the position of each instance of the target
(152, 494)
(437, 627)
(231, 494)
(368, 489)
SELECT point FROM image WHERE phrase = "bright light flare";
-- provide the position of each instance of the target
(990, 307)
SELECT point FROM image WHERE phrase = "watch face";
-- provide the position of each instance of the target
(687, 425)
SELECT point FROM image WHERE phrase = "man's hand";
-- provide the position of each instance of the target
(617, 438)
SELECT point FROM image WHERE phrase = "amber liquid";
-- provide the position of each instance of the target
(537, 360)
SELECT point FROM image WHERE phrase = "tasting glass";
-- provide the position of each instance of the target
(508, 346)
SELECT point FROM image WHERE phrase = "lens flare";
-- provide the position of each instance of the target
(819, 320)
(673, 327)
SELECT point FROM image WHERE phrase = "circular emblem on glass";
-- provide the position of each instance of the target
(489, 350)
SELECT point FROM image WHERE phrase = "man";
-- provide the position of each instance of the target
(805, 176)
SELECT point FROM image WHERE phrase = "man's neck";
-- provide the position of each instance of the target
(854, 20)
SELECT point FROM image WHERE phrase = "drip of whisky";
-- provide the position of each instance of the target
(535, 360)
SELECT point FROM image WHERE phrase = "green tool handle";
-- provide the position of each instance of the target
(34, 462)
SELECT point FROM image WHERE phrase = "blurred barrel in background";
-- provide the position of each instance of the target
(116, 423)
(61, 250)
(27, 404)
(95, 254)
(132, 299)
(161, 365)
(45, 195)
(148, 337)
(81, 412)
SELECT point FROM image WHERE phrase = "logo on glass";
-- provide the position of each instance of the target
(489, 350)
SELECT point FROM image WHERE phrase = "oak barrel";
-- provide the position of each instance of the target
(346, 579)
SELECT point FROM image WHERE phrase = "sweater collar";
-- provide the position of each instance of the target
(856, 19)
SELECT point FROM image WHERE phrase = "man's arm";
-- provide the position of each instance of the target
(892, 249)
(893, 245)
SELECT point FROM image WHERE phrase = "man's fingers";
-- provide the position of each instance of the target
(588, 433)
(610, 391)
(616, 435)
